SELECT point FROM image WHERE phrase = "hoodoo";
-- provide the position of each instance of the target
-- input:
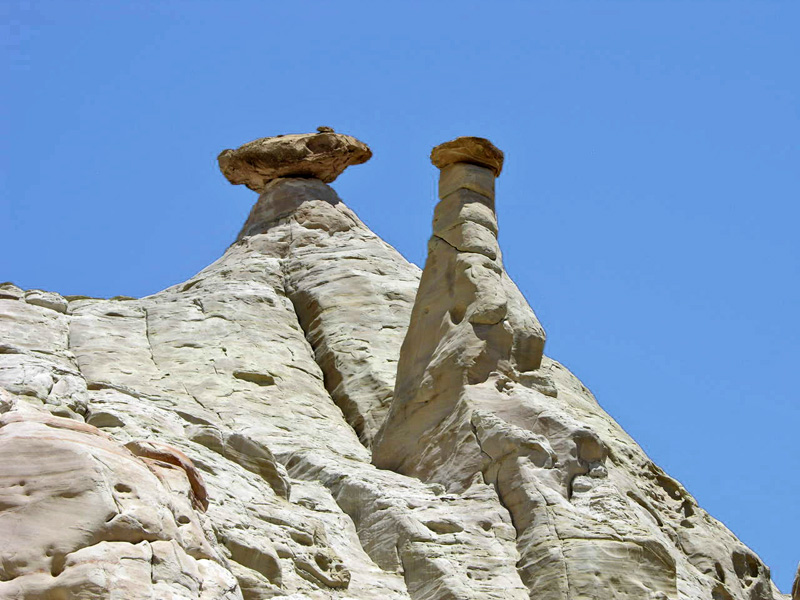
(476, 402)
(469, 323)
(310, 417)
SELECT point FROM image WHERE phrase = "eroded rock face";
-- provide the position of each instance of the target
(82, 517)
(323, 155)
(240, 408)
(471, 150)
(469, 322)
(243, 369)
(475, 400)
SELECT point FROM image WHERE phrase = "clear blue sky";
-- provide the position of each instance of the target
(648, 208)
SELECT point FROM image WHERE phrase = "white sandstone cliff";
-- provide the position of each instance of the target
(215, 440)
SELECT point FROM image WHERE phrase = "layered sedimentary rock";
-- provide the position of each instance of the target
(85, 517)
(323, 155)
(475, 401)
(215, 440)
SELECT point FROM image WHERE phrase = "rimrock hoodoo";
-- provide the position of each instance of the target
(469, 323)
(312, 417)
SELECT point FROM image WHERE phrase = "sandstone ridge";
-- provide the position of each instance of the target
(312, 417)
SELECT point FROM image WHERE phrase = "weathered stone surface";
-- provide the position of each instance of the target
(81, 517)
(9, 291)
(467, 149)
(465, 176)
(474, 397)
(468, 322)
(155, 452)
(257, 389)
(49, 300)
(323, 155)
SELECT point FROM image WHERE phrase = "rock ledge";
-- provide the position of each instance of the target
(468, 149)
(323, 155)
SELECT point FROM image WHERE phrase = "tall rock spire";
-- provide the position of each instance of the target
(331, 264)
(470, 322)
(465, 220)
(476, 402)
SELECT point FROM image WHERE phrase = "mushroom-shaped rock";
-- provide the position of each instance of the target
(474, 150)
(323, 155)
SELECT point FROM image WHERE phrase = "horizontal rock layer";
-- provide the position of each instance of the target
(323, 155)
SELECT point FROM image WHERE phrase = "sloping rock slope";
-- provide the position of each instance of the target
(214, 441)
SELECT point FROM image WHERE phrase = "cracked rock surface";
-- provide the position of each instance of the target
(217, 439)
(323, 155)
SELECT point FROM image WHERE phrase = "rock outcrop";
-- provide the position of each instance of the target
(476, 402)
(263, 429)
(84, 517)
(323, 155)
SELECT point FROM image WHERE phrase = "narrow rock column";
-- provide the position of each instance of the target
(464, 275)
(469, 322)
(465, 218)
(473, 410)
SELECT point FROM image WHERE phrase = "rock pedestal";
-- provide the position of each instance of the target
(476, 403)
(469, 322)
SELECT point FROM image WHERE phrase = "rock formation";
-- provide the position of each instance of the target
(323, 156)
(311, 417)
